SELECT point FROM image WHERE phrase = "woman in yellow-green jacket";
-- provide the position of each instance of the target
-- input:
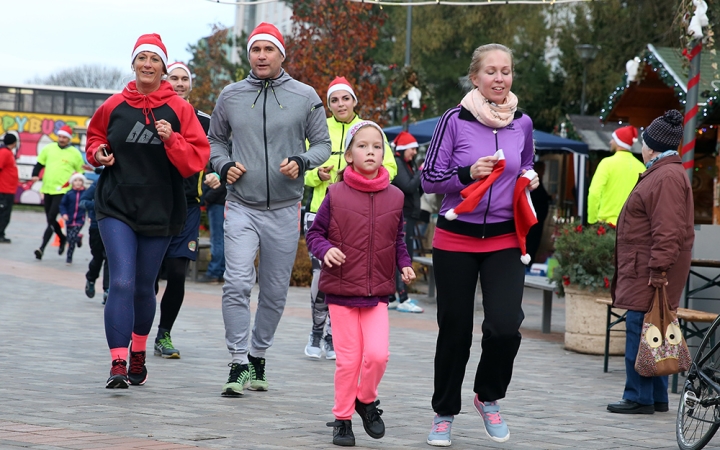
(341, 101)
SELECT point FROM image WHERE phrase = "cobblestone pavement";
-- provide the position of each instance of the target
(55, 361)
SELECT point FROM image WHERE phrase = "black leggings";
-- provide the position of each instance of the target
(172, 300)
(52, 208)
(502, 280)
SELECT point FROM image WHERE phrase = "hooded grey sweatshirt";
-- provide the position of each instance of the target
(264, 122)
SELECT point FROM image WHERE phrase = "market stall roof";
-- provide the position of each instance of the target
(660, 85)
(597, 135)
(423, 130)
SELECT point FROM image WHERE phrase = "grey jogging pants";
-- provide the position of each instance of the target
(275, 233)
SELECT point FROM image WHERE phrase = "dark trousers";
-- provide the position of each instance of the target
(172, 300)
(502, 281)
(73, 236)
(98, 261)
(6, 204)
(400, 287)
(52, 208)
(639, 389)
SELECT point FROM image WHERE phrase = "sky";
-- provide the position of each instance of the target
(43, 36)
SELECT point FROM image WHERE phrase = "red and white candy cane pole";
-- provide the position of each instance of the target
(691, 108)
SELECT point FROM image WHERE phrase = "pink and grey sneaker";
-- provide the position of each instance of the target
(440, 432)
(495, 426)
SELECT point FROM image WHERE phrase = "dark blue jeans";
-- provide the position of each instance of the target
(216, 217)
(639, 389)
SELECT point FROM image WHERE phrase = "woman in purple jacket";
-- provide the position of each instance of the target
(481, 242)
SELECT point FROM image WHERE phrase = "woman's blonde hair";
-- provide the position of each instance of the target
(480, 52)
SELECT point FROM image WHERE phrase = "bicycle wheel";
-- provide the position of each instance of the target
(698, 417)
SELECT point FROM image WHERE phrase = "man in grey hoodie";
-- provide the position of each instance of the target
(265, 119)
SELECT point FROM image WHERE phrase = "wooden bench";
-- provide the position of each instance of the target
(428, 263)
(689, 318)
(531, 281)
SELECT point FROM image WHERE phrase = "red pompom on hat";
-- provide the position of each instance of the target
(340, 84)
(267, 32)
(524, 212)
(66, 131)
(404, 141)
(179, 65)
(625, 136)
(151, 43)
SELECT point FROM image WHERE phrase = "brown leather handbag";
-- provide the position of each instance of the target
(663, 350)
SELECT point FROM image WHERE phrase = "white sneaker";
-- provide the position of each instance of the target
(329, 347)
(312, 349)
(393, 304)
(410, 306)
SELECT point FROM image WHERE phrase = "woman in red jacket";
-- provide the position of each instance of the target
(149, 139)
(358, 234)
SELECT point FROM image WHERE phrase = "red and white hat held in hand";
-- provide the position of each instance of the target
(524, 212)
(474, 193)
(266, 32)
(151, 43)
(625, 137)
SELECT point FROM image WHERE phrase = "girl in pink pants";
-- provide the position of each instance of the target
(358, 234)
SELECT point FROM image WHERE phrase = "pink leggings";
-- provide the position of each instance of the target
(361, 337)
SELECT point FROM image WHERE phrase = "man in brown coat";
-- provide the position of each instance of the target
(653, 249)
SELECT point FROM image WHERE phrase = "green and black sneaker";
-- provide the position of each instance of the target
(238, 380)
(258, 381)
(164, 347)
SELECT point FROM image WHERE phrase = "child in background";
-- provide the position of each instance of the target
(97, 248)
(73, 213)
(358, 234)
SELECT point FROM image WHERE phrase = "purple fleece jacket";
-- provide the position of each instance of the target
(458, 141)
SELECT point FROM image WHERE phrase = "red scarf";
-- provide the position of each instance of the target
(362, 184)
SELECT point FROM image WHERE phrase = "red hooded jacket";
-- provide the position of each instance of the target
(144, 188)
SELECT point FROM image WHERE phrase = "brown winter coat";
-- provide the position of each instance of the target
(655, 235)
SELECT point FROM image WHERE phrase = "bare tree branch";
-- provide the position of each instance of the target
(87, 76)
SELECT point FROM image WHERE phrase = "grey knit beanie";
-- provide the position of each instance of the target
(664, 133)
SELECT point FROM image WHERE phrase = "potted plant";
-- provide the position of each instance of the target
(586, 264)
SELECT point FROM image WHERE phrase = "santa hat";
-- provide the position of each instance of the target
(355, 128)
(77, 176)
(474, 193)
(340, 84)
(524, 212)
(73, 177)
(66, 131)
(179, 65)
(404, 141)
(151, 43)
(625, 137)
(267, 32)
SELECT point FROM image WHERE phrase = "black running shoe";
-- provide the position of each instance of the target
(118, 375)
(258, 381)
(38, 253)
(342, 433)
(370, 415)
(239, 379)
(61, 249)
(90, 289)
(138, 373)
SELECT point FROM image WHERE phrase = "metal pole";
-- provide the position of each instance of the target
(408, 40)
(582, 95)
(691, 109)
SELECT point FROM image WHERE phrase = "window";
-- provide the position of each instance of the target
(81, 104)
(8, 99)
(49, 102)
